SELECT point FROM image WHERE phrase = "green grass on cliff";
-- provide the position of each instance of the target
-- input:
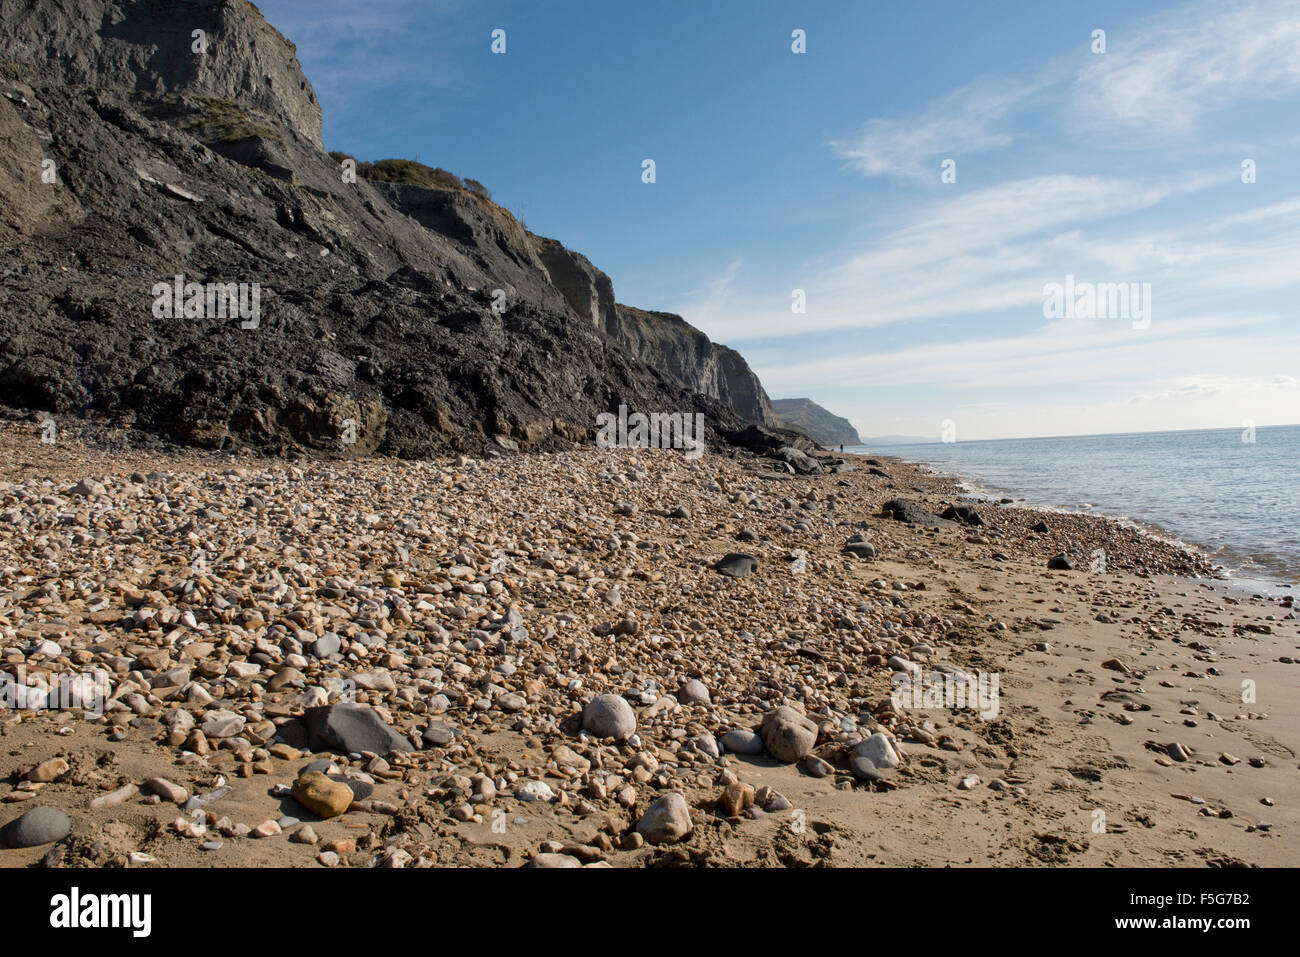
(415, 173)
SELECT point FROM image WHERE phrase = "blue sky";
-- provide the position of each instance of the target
(821, 171)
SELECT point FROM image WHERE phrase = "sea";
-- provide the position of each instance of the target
(1232, 493)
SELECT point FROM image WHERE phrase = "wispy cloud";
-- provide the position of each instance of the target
(993, 250)
(1163, 77)
(1184, 66)
(970, 120)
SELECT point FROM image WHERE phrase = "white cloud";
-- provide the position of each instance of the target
(1193, 62)
(969, 120)
(992, 251)
(1161, 78)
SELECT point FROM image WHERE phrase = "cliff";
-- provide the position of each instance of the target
(820, 425)
(392, 317)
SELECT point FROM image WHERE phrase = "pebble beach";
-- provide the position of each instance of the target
(612, 658)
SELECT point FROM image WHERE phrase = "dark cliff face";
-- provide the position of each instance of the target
(668, 342)
(816, 422)
(392, 318)
(149, 46)
(586, 289)
(660, 339)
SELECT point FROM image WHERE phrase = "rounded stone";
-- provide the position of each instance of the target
(737, 565)
(788, 735)
(609, 716)
(879, 750)
(324, 797)
(694, 692)
(40, 825)
(742, 741)
(666, 821)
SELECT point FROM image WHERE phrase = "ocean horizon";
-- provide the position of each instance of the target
(1227, 492)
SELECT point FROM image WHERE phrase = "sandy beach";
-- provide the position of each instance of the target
(1144, 716)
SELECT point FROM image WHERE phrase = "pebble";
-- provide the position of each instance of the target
(221, 723)
(737, 565)
(114, 798)
(816, 767)
(666, 821)
(323, 796)
(535, 791)
(167, 790)
(609, 716)
(788, 735)
(865, 770)
(554, 860)
(438, 735)
(879, 750)
(351, 728)
(693, 692)
(266, 829)
(37, 826)
(742, 741)
(48, 771)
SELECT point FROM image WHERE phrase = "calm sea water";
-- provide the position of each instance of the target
(1238, 500)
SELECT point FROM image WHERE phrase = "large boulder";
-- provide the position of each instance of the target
(788, 735)
(666, 821)
(609, 716)
(909, 512)
(351, 728)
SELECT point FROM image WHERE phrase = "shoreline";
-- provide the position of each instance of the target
(480, 606)
(1233, 577)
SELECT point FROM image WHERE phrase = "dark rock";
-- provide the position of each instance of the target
(40, 825)
(861, 549)
(348, 728)
(800, 461)
(439, 735)
(864, 770)
(360, 789)
(1061, 563)
(1042, 527)
(907, 511)
(962, 513)
(736, 565)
